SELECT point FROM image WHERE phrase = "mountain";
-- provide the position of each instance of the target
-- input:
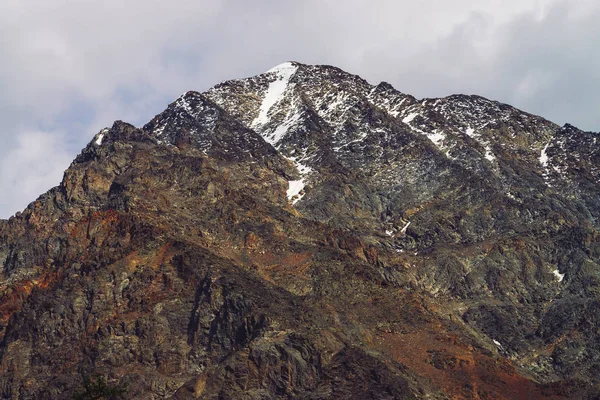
(305, 234)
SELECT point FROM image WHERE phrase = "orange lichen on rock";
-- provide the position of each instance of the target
(460, 372)
(14, 296)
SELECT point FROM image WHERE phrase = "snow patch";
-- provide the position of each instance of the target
(408, 119)
(558, 275)
(403, 230)
(559, 170)
(294, 189)
(544, 157)
(283, 67)
(497, 343)
(470, 132)
(489, 155)
(275, 91)
(436, 137)
(100, 136)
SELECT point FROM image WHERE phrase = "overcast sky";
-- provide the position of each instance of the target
(70, 68)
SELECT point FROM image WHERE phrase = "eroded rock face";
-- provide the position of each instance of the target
(304, 234)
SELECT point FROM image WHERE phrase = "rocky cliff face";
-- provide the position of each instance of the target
(304, 234)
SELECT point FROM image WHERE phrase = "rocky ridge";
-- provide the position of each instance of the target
(305, 234)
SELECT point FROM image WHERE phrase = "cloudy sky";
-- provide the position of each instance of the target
(68, 68)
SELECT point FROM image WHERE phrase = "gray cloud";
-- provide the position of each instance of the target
(70, 68)
(543, 63)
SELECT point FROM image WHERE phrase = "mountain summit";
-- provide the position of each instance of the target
(305, 234)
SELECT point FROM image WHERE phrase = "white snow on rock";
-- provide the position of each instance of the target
(403, 230)
(100, 137)
(302, 168)
(389, 104)
(470, 132)
(497, 343)
(333, 108)
(275, 91)
(159, 131)
(294, 189)
(292, 118)
(544, 156)
(408, 119)
(362, 137)
(182, 102)
(437, 137)
(489, 155)
(558, 275)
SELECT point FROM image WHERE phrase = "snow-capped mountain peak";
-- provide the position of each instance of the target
(321, 117)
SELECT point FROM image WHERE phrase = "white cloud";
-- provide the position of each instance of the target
(32, 166)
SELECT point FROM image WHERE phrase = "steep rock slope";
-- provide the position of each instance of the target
(304, 234)
(503, 204)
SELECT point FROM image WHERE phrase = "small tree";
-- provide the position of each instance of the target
(96, 388)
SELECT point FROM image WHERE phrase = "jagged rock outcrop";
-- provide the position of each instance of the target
(305, 234)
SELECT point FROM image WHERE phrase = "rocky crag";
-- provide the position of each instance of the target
(305, 234)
